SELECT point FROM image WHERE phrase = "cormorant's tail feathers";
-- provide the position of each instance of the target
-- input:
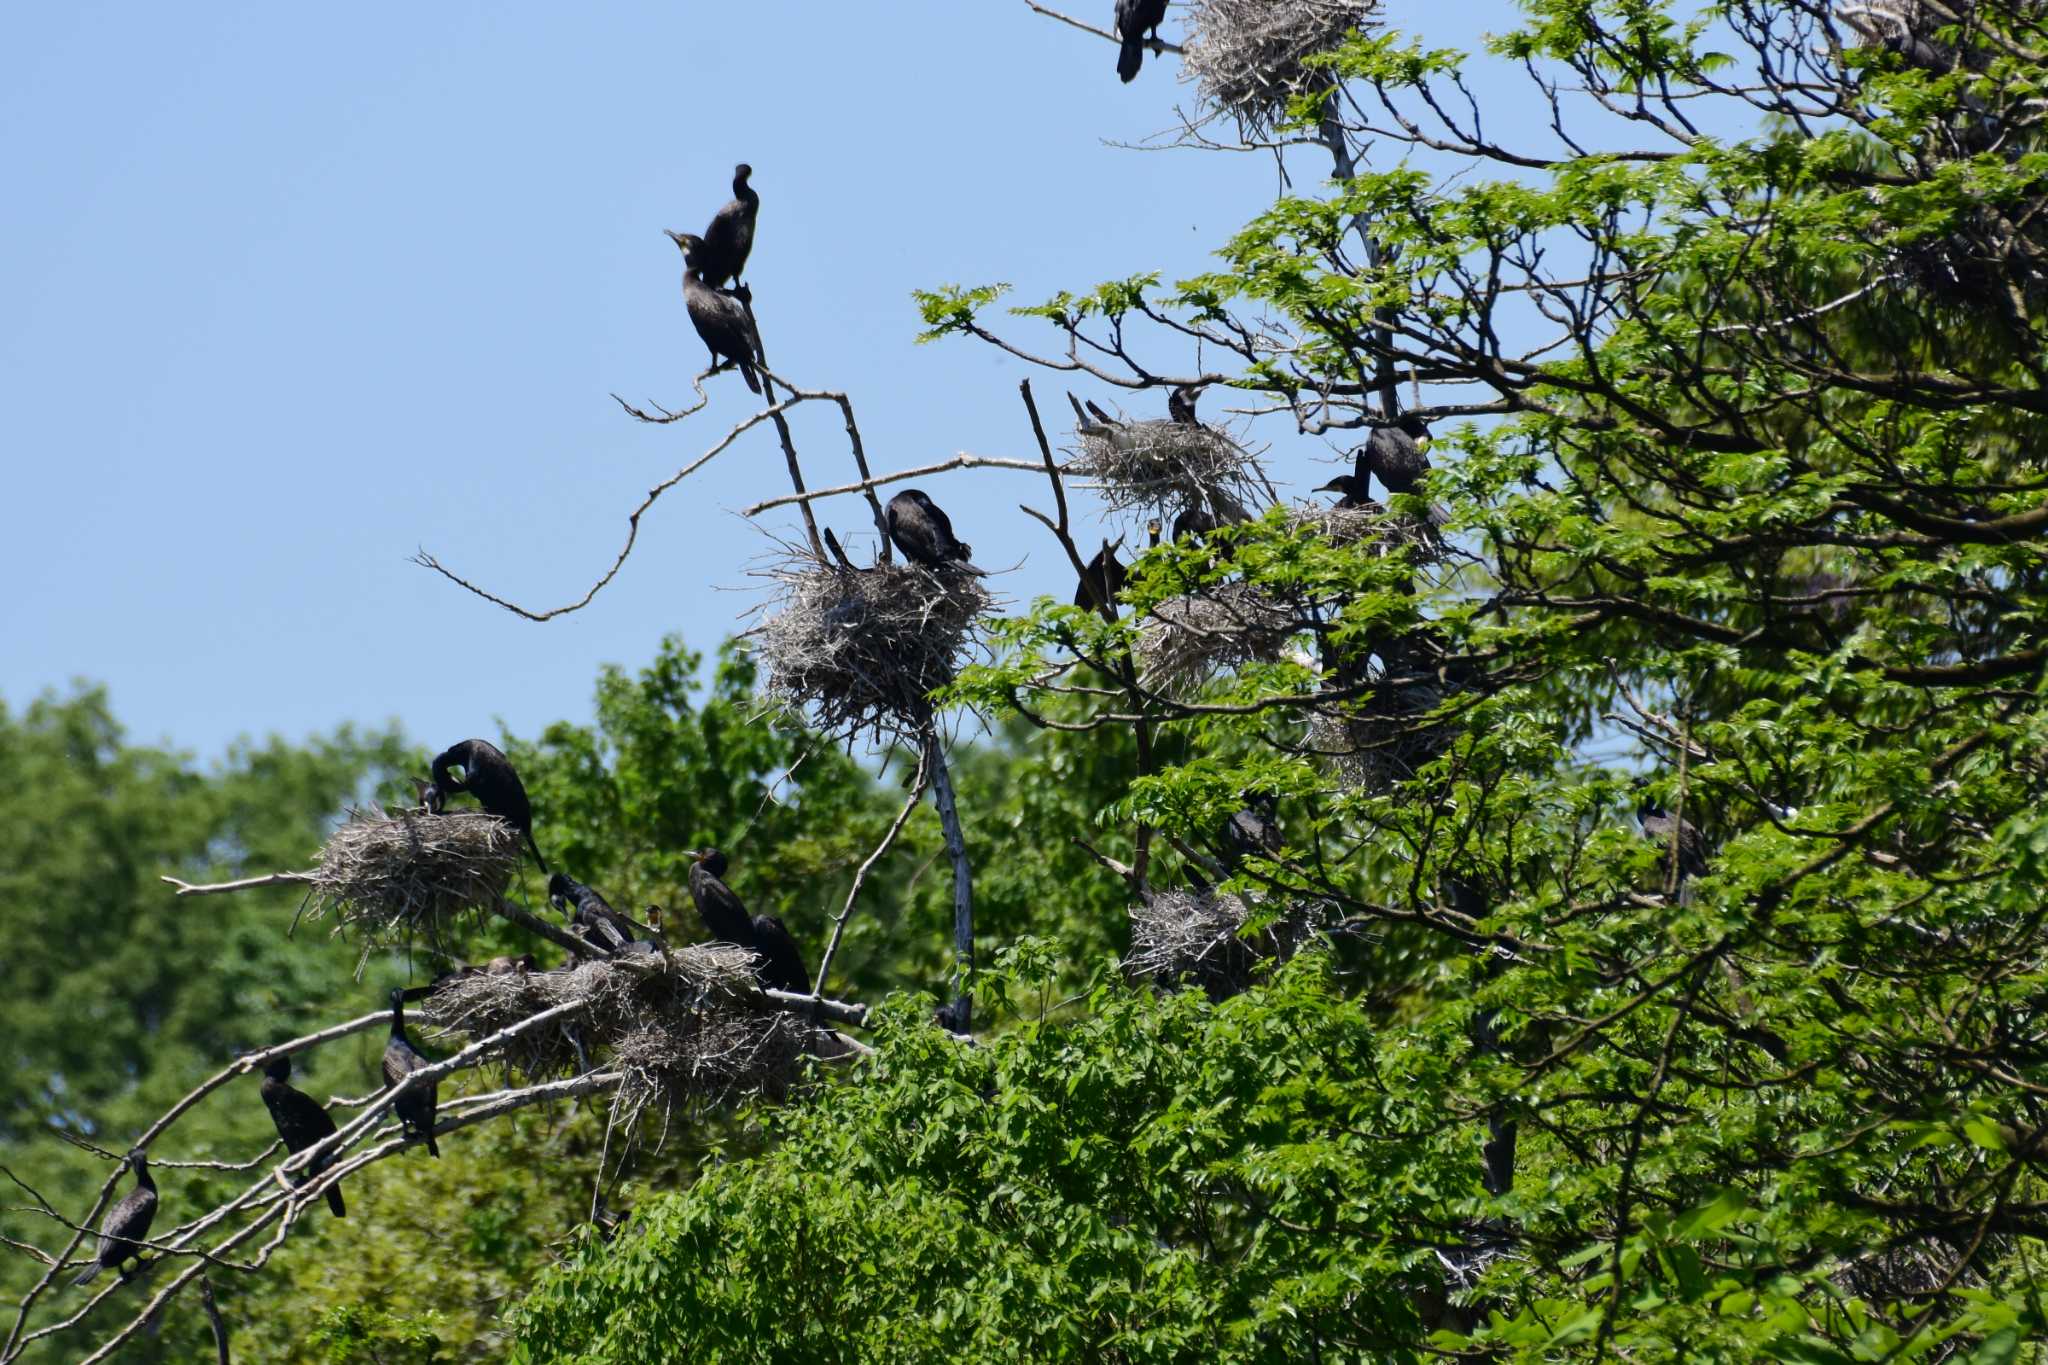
(91, 1273)
(534, 844)
(747, 373)
(334, 1204)
(432, 1150)
(1130, 59)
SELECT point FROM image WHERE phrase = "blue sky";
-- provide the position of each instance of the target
(289, 292)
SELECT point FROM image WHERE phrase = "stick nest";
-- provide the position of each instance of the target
(1248, 57)
(410, 876)
(1193, 938)
(1164, 467)
(683, 1027)
(861, 651)
(1186, 640)
(1373, 750)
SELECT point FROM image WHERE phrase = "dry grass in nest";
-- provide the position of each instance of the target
(1247, 57)
(682, 1028)
(1185, 640)
(1192, 938)
(1167, 467)
(1372, 751)
(860, 651)
(403, 877)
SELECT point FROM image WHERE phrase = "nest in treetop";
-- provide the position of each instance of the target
(1386, 530)
(1194, 938)
(1167, 467)
(860, 651)
(1186, 640)
(408, 876)
(1248, 58)
(683, 1027)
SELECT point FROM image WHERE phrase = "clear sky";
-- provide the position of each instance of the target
(288, 292)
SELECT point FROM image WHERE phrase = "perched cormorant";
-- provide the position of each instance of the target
(300, 1121)
(128, 1220)
(1254, 830)
(588, 913)
(1355, 486)
(488, 776)
(1193, 522)
(722, 251)
(1660, 826)
(777, 963)
(1101, 581)
(1392, 456)
(720, 318)
(1180, 405)
(1134, 19)
(510, 966)
(921, 529)
(415, 1108)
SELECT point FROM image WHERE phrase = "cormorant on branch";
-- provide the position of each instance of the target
(300, 1121)
(1392, 456)
(1134, 19)
(777, 962)
(722, 251)
(415, 1108)
(1660, 826)
(488, 776)
(921, 529)
(720, 318)
(128, 1220)
(1101, 581)
(1180, 405)
(588, 913)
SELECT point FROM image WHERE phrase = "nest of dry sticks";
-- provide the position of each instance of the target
(1165, 467)
(1196, 938)
(1186, 640)
(408, 876)
(860, 650)
(1249, 58)
(1372, 749)
(683, 1027)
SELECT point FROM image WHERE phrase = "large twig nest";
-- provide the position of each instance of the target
(1166, 467)
(682, 1026)
(1373, 524)
(1249, 58)
(409, 876)
(857, 651)
(1372, 750)
(1185, 640)
(1195, 938)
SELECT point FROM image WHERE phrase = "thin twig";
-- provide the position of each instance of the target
(184, 888)
(917, 786)
(868, 485)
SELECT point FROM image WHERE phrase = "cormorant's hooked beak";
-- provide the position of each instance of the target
(1333, 486)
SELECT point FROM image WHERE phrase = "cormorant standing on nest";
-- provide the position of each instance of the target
(722, 251)
(415, 1108)
(1392, 456)
(1101, 581)
(921, 529)
(488, 776)
(1180, 405)
(1356, 488)
(588, 913)
(128, 1220)
(777, 962)
(300, 1121)
(720, 318)
(1134, 19)
(1660, 827)
(1254, 830)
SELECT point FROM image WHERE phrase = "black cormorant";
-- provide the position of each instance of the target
(720, 318)
(1134, 19)
(488, 776)
(777, 963)
(300, 1121)
(588, 913)
(415, 1108)
(1101, 581)
(1254, 830)
(127, 1221)
(1660, 826)
(1180, 405)
(721, 252)
(921, 529)
(1356, 488)
(1392, 456)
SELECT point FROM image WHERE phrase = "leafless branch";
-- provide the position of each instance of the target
(868, 485)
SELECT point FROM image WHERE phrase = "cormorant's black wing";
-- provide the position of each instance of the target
(724, 914)
(779, 964)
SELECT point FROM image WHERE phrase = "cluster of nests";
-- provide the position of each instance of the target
(685, 1025)
(860, 650)
(1252, 58)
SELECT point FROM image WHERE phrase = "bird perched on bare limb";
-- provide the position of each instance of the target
(415, 1108)
(300, 1121)
(488, 776)
(921, 529)
(723, 249)
(1134, 20)
(126, 1223)
(720, 318)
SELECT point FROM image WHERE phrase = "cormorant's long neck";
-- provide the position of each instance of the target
(143, 1177)
(398, 1019)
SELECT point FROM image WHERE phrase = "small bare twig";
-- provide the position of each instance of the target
(184, 888)
(869, 484)
(917, 786)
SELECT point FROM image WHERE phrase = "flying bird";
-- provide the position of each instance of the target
(415, 1108)
(301, 1122)
(125, 1224)
(490, 777)
(1134, 19)
(921, 529)
(722, 251)
(720, 318)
